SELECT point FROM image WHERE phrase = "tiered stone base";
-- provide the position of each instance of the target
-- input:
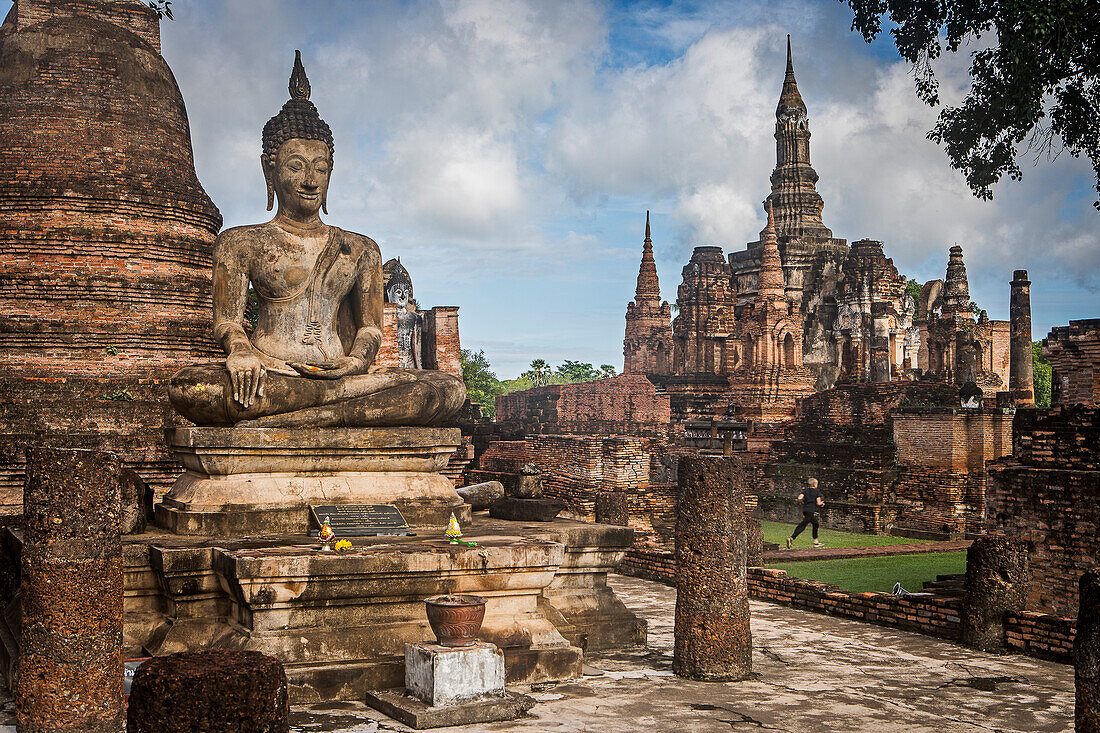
(261, 481)
(339, 622)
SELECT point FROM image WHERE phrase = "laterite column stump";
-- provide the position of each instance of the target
(1086, 655)
(216, 691)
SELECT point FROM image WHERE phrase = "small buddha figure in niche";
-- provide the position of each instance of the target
(309, 362)
(399, 291)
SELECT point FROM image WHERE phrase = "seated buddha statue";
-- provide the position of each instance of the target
(309, 361)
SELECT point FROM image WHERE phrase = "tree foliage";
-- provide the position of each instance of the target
(1035, 80)
(578, 371)
(1041, 374)
(482, 385)
(163, 8)
(539, 374)
(913, 288)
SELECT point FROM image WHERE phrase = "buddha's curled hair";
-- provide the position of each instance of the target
(297, 119)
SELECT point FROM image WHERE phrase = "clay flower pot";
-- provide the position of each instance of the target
(455, 619)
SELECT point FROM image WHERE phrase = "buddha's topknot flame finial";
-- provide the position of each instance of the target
(299, 84)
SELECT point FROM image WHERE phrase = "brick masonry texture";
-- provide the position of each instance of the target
(889, 456)
(628, 404)
(1074, 355)
(70, 664)
(1047, 494)
(105, 232)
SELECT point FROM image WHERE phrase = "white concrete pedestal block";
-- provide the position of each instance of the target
(439, 675)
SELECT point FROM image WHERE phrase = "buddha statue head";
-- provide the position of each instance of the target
(397, 283)
(297, 152)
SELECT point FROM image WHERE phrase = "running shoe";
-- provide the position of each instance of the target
(818, 544)
(789, 541)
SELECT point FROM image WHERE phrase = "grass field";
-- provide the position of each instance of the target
(778, 533)
(862, 574)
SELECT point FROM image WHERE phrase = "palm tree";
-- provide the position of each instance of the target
(539, 374)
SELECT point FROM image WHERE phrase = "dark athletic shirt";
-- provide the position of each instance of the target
(809, 499)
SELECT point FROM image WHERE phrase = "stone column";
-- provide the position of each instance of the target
(1021, 382)
(712, 637)
(996, 581)
(611, 508)
(1086, 655)
(70, 666)
(880, 349)
(754, 537)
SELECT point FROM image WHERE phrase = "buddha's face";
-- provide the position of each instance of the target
(302, 169)
(399, 293)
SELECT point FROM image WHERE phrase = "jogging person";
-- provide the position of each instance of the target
(812, 501)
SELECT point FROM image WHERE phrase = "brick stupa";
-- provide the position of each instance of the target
(105, 234)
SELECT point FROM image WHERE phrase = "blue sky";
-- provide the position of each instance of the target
(508, 151)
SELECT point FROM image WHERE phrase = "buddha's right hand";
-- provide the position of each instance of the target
(247, 376)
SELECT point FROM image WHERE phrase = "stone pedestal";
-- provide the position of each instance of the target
(712, 641)
(70, 665)
(1086, 655)
(261, 481)
(439, 675)
(996, 582)
(447, 686)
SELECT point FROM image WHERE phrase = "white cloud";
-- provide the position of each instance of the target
(493, 142)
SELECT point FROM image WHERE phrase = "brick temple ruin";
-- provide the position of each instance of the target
(807, 356)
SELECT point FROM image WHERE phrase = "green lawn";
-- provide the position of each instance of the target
(778, 533)
(862, 574)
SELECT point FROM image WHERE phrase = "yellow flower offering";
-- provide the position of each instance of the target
(344, 546)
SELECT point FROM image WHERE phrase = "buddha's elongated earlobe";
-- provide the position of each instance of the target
(270, 185)
(324, 202)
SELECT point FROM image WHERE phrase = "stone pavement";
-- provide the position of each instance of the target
(832, 553)
(815, 674)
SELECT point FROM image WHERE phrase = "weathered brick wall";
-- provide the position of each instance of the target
(440, 347)
(1074, 355)
(105, 234)
(1034, 634)
(627, 404)
(1041, 635)
(1047, 493)
(574, 467)
(442, 342)
(942, 455)
(890, 457)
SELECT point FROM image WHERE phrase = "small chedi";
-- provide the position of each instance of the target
(308, 367)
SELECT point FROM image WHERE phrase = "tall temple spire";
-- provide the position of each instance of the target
(770, 286)
(648, 286)
(794, 198)
(789, 98)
